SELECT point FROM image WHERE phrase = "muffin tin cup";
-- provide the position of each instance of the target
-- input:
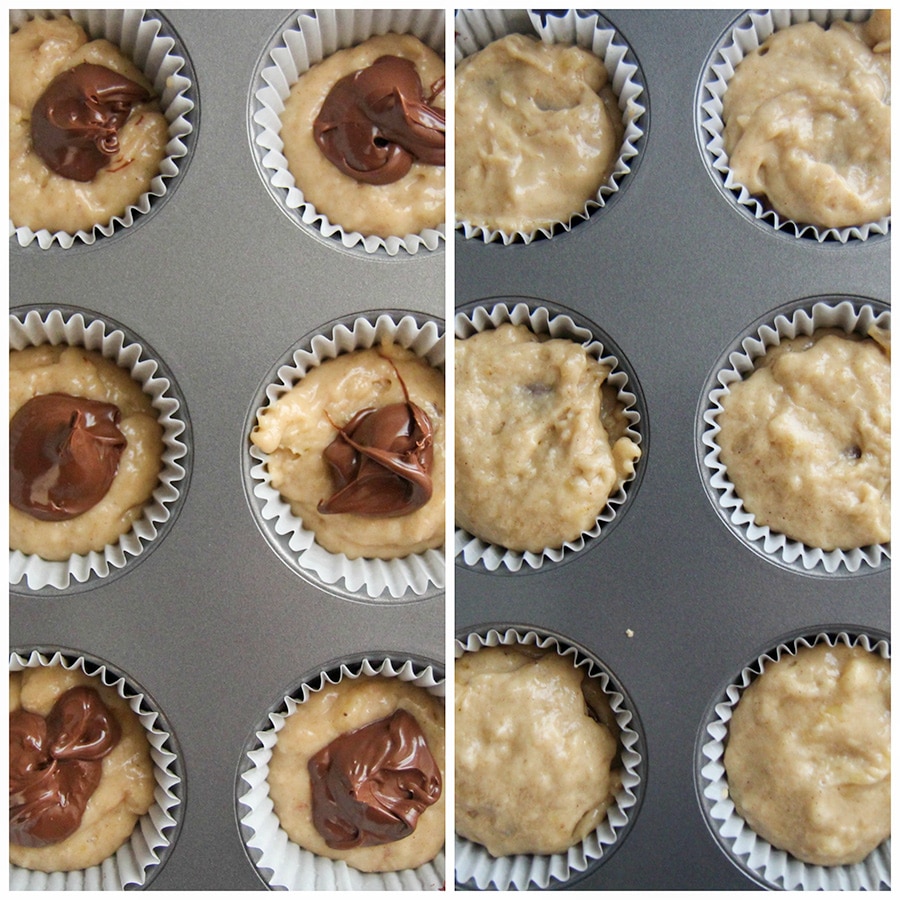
(412, 577)
(279, 862)
(755, 857)
(149, 40)
(476, 28)
(64, 325)
(557, 321)
(802, 317)
(301, 42)
(475, 867)
(743, 36)
(139, 859)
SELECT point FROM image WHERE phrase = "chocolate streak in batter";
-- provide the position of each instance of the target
(381, 462)
(376, 122)
(63, 455)
(369, 786)
(55, 765)
(75, 122)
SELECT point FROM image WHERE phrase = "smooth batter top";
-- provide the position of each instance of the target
(297, 428)
(808, 122)
(540, 439)
(409, 205)
(84, 373)
(805, 440)
(538, 131)
(125, 789)
(39, 197)
(325, 717)
(809, 754)
(536, 751)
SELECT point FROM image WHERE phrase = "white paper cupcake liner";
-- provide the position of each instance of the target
(474, 865)
(140, 858)
(476, 28)
(61, 325)
(553, 319)
(281, 863)
(770, 867)
(152, 44)
(411, 577)
(302, 41)
(799, 318)
(744, 36)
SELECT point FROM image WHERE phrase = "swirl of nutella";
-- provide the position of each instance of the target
(376, 121)
(55, 765)
(370, 785)
(75, 122)
(63, 455)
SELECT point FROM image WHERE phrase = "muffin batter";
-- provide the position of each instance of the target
(538, 131)
(540, 439)
(295, 431)
(328, 714)
(805, 440)
(125, 789)
(536, 751)
(39, 197)
(409, 205)
(808, 122)
(809, 756)
(47, 369)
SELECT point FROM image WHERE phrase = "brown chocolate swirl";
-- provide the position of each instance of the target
(370, 785)
(75, 122)
(377, 121)
(63, 455)
(55, 765)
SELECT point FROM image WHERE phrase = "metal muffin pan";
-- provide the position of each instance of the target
(220, 282)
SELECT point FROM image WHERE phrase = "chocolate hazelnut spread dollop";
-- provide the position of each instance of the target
(381, 462)
(55, 765)
(369, 786)
(63, 455)
(75, 122)
(377, 121)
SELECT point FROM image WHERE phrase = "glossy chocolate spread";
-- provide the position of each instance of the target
(75, 122)
(63, 455)
(377, 121)
(369, 786)
(55, 765)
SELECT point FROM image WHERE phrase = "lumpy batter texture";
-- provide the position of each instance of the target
(327, 714)
(38, 197)
(538, 131)
(540, 439)
(125, 790)
(809, 754)
(536, 751)
(805, 440)
(808, 122)
(84, 373)
(408, 206)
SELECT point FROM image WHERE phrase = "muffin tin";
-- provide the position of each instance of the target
(222, 283)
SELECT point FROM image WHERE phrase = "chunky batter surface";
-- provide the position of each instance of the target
(296, 429)
(538, 131)
(125, 791)
(327, 714)
(809, 754)
(83, 373)
(38, 197)
(806, 440)
(808, 122)
(408, 206)
(540, 439)
(536, 751)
